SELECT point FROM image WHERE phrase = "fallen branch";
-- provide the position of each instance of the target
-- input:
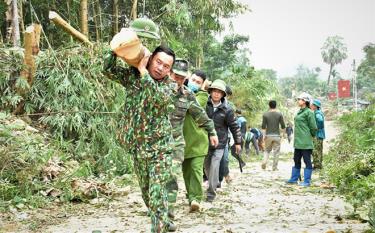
(54, 17)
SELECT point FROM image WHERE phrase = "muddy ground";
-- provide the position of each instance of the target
(256, 201)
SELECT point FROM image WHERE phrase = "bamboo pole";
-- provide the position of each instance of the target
(15, 25)
(84, 18)
(115, 17)
(134, 9)
(54, 17)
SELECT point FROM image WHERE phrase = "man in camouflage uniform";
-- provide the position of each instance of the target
(147, 134)
(317, 153)
(185, 103)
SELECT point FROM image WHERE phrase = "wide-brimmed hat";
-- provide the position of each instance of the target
(219, 85)
(317, 103)
(305, 96)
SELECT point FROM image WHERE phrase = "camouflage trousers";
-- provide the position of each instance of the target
(153, 172)
(317, 154)
(176, 170)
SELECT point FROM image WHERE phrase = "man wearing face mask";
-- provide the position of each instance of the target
(186, 107)
(196, 147)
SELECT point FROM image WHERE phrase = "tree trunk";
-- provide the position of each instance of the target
(83, 16)
(8, 18)
(97, 21)
(329, 74)
(54, 17)
(15, 25)
(31, 38)
(115, 17)
(68, 4)
(99, 12)
(31, 44)
(22, 23)
(134, 9)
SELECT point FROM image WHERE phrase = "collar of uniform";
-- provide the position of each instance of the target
(301, 110)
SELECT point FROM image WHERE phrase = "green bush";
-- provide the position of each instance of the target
(82, 108)
(351, 164)
(80, 111)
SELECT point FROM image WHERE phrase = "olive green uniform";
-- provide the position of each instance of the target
(185, 103)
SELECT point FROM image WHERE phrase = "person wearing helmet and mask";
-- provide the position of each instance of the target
(223, 116)
(304, 131)
(317, 154)
(186, 107)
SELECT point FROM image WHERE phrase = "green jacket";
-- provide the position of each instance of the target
(196, 138)
(304, 129)
(186, 104)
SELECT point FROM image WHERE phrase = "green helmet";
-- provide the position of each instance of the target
(146, 28)
(218, 84)
(181, 67)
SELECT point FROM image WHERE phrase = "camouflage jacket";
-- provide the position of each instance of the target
(148, 104)
(185, 102)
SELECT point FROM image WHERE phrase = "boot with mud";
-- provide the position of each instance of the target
(194, 206)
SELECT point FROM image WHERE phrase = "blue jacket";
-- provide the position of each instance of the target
(257, 133)
(319, 118)
(241, 121)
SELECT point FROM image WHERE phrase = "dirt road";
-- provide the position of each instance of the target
(256, 201)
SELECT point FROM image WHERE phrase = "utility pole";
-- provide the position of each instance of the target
(355, 86)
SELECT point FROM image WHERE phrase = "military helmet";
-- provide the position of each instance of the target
(218, 84)
(145, 27)
(181, 67)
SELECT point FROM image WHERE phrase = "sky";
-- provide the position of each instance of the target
(286, 33)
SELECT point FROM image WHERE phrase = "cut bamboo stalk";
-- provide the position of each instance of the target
(31, 44)
(54, 17)
(31, 37)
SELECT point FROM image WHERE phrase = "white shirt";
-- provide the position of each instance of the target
(216, 105)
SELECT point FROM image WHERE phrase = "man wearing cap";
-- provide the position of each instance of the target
(147, 131)
(186, 105)
(317, 154)
(223, 116)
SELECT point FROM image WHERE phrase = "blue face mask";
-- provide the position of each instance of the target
(193, 87)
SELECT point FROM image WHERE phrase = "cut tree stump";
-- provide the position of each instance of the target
(32, 38)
